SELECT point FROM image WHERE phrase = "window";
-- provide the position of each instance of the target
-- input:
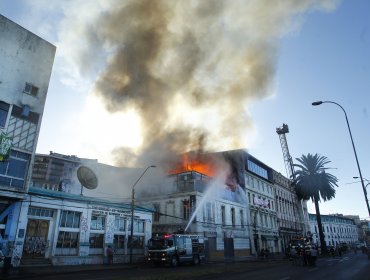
(97, 222)
(31, 89)
(208, 212)
(24, 112)
(137, 242)
(68, 236)
(186, 209)
(67, 240)
(256, 169)
(119, 242)
(96, 240)
(13, 172)
(119, 223)
(70, 219)
(4, 108)
(223, 218)
(233, 217)
(138, 226)
(242, 218)
(40, 212)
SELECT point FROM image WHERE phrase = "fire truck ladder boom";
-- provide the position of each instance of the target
(281, 131)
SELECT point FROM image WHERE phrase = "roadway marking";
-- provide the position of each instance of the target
(285, 278)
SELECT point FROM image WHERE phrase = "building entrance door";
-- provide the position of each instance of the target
(36, 238)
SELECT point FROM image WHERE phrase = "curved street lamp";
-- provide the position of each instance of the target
(354, 149)
(355, 177)
(132, 209)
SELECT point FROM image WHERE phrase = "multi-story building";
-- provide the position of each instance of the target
(204, 204)
(263, 225)
(337, 230)
(364, 232)
(25, 69)
(363, 228)
(67, 221)
(288, 210)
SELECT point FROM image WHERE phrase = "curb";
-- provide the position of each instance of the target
(36, 271)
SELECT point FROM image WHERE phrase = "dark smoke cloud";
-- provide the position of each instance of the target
(189, 69)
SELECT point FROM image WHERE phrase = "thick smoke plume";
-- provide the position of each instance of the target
(190, 68)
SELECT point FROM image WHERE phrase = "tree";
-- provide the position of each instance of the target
(312, 182)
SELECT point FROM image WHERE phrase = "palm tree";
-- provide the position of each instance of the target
(311, 181)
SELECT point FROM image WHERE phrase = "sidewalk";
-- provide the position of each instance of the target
(34, 271)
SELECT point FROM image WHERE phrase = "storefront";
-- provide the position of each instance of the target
(69, 229)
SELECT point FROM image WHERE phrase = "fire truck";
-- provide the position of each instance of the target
(174, 249)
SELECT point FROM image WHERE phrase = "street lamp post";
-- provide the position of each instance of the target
(354, 149)
(132, 209)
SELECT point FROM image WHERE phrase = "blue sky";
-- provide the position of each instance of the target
(326, 56)
(328, 59)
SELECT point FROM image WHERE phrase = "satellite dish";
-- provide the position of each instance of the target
(87, 177)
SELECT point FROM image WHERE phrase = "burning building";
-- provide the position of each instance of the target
(209, 196)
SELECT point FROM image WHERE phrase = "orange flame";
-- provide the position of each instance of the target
(194, 163)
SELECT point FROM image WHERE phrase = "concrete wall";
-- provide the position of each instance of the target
(24, 57)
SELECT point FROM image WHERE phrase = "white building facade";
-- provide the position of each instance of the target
(288, 210)
(247, 215)
(64, 222)
(263, 225)
(66, 229)
(193, 207)
(337, 230)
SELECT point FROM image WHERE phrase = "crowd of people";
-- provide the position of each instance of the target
(303, 255)
(306, 254)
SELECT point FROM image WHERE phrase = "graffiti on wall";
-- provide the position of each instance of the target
(35, 246)
(110, 229)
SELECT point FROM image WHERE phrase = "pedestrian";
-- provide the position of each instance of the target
(110, 255)
(313, 254)
(294, 255)
(332, 251)
(6, 250)
(306, 255)
(267, 253)
(339, 251)
(2, 258)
